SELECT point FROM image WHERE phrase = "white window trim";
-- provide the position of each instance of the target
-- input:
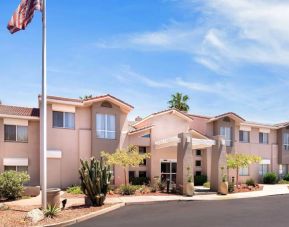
(16, 139)
(286, 141)
(228, 142)
(63, 116)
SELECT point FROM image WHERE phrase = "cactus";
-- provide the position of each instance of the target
(95, 179)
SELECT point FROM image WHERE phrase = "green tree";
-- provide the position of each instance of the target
(125, 158)
(179, 101)
(85, 97)
(237, 161)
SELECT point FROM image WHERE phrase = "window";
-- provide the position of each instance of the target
(244, 171)
(106, 104)
(283, 170)
(168, 171)
(286, 141)
(263, 138)
(198, 163)
(142, 174)
(226, 133)
(63, 120)
(147, 136)
(143, 150)
(16, 133)
(105, 126)
(16, 168)
(198, 173)
(244, 136)
(198, 153)
(131, 175)
(263, 169)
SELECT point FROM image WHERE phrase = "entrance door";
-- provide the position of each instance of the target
(169, 171)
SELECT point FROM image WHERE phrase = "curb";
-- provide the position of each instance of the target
(86, 216)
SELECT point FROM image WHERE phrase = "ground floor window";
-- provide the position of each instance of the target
(198, 173)
(244, 171)
(16, 168)
(169, 171)
(142, 174)
(131, 175)
(283, 169)
(263, 169)
(198, 163)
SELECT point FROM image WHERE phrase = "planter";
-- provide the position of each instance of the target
(32, 191)
(53, 196)
(223, 188)
(98, 200)
(190, 189)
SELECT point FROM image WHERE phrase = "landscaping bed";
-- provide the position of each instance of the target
(15, 215)
(246, 188)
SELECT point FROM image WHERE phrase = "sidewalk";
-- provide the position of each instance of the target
(268, 190)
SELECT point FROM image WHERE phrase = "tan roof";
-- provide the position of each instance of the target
(140, 129)
(87, 100)
(19, 111)
(227, 114)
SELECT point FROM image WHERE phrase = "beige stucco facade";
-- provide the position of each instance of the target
(157, 134)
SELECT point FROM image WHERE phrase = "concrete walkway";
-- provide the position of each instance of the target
(268, 190)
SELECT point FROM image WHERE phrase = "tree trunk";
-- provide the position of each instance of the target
(237, 177)
(124, 170)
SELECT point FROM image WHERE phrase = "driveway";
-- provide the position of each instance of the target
(263, 211)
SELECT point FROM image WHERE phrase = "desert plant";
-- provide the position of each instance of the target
(250, 182)
(11, 184)
(189, 175)
(128, 189)
(179, 101)
(207, 184)
(199, 180)
(270, 178)
(140, 181)
(224, 176)
(231, 187)
(51, 211)
(283, 181)
(74, 190)
(286, 177)
(95, 178)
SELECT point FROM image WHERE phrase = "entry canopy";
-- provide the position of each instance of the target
(173, 141)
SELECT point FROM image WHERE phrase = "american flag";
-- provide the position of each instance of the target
(23, 15)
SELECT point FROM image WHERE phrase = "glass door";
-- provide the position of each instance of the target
(169, 171)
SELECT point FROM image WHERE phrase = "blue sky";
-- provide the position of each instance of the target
(226, 55)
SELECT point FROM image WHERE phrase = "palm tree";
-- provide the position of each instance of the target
(85, 97)
(179, 101)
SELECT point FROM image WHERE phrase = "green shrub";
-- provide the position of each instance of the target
(128, 189)
(286, 177)
(207, 184)
(51, 211)
(283, 182)
(231, 187)
(140, 181)
(74, 190)
(11, 184)
(250, 182)
(200, 180)
(270, 178)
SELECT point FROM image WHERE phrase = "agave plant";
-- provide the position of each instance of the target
(95, 178)
(51, 211)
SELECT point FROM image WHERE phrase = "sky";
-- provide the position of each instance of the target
(227, 56)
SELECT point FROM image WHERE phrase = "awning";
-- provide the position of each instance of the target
(173, 141)
(15, 161)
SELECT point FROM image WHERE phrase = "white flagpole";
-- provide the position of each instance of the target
(44, 112)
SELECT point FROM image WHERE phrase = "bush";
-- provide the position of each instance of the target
(128, 189)
(283, 182)
(270, 178)
(286, 177)
(11, 184)
(207, 184)
(140, 181)
(51, 211)
(250, 182)
(231, 187)
(200, 180)
(74, 190)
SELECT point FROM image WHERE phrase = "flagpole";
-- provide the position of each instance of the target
(44, 111)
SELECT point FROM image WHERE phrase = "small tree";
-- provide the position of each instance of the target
(237, 161)
(179, 101)
(85, 97)
(125, 158)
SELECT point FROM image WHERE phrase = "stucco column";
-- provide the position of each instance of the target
(184, 159)
(218, 160)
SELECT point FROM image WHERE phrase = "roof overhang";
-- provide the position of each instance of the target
(144, 129)
(231, 115)
(19, 117)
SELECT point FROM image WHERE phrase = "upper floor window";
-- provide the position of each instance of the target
(16, 133)
(226, 132)
(105, 126)
(198, 153)
(63, 120)
(286, 141)
(244, 136)
(147, 136)
(263, 137)
(143, 150)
